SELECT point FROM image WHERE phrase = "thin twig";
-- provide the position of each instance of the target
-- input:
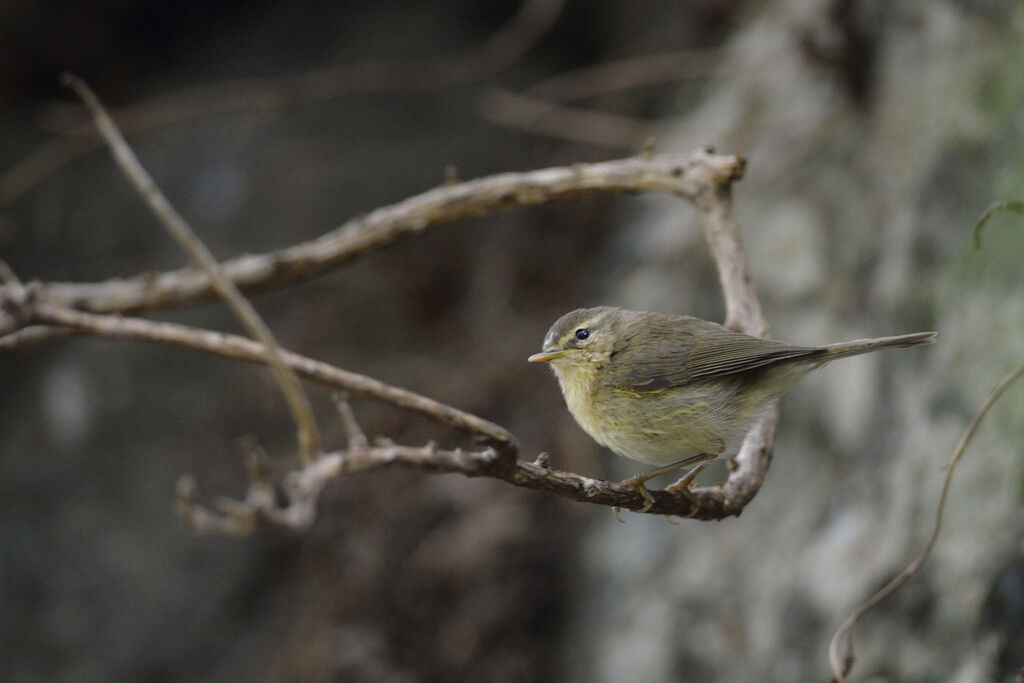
(1014, 205)
(241, 348)
(15, 336)
(839, 671)
(353, 432)
(179, 229)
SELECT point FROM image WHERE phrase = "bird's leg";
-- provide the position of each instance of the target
(686, 481)
(638, 484)
(637, 481)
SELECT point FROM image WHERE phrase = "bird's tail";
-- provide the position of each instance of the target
(858, 346)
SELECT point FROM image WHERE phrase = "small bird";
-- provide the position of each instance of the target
(674, 390)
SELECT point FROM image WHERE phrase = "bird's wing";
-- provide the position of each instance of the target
(663, 356)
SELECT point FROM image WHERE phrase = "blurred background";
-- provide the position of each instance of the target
(876, 134)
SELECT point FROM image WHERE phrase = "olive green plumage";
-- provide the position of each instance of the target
(661, 388)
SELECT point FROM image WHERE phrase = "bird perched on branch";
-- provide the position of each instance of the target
(674, 390)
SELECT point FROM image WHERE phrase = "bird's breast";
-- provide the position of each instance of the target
(579, 385)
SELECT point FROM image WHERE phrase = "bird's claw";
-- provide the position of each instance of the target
(686, 481)
(637, 484)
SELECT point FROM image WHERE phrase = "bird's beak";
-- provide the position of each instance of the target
(546, 356)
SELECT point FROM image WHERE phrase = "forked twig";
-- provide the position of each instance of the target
(179, 229)
(353, 432)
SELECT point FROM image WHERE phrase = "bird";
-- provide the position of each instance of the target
(673, 390)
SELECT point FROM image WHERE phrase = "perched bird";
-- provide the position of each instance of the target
(674, 390)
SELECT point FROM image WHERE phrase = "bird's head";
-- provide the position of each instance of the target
(579, 343)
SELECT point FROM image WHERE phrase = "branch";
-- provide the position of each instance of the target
(701, 177)
(302, 487)
(688, 176)
(179, 229)
(708, 179)
(497, 461)
(31, 311)
(742, 307)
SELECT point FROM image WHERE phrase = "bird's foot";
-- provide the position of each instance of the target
(637, 484)
(685, 483)
(682, 486)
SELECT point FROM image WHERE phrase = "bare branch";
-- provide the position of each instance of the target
(701, 177)
(353, 432)
(179, 229)
(712, 196)
(240, 348)
(15, 336)
(742, 307)
(743, 313)
(303, 487)
(688, 176)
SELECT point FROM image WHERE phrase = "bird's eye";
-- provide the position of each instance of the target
(582, 333)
